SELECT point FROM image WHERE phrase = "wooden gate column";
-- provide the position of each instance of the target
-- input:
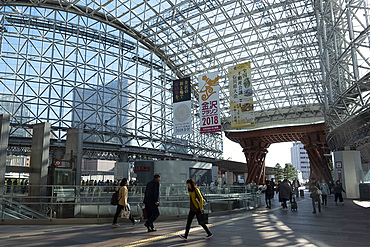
(255, 144)
(255, 152)
(316, 147)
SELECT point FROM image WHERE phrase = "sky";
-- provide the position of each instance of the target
(277, 153)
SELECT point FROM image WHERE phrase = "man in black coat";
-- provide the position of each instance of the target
(151, 201)
(285, 193)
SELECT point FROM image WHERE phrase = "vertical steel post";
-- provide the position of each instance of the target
(321, 51)
(352, 44)
(4, 139)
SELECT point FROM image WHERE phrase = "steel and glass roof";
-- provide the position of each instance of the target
(191, 37)
(300, 53)
(278, 37)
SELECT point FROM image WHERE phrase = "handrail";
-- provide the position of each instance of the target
(24, 208)
(94, 201)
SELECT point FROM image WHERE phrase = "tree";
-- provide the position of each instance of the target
(278, 172)
(290, 172)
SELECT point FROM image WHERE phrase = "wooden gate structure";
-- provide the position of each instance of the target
(255, 144)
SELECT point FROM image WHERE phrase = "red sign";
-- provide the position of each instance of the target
(141, 169)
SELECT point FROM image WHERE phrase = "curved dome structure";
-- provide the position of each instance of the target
(107, 66)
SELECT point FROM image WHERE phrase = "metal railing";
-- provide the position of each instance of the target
(65, 201)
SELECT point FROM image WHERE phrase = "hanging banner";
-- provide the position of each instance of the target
(182, 120)
(241, 96)
(209, 103)
(181, 90)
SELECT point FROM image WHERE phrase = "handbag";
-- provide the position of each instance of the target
(144, 214)
(202, 218)
(125, 213)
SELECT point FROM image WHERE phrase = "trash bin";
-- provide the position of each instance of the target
(365, 191)
(301, 192)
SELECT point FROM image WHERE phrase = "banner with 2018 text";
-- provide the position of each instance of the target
(209, 103)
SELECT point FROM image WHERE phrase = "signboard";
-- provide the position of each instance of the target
(181, 90)
(209, 103)
(141, 169)
(338, 164)
(182, 120)
(241, 96)
(59, 163)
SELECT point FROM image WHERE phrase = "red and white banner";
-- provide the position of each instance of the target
(209, 103)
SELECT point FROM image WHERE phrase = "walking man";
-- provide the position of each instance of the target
(151, 201)
(285, 193)
(315, 195)
(338, 192)
(269, 192)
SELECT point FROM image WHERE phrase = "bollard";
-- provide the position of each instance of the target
(301, 193)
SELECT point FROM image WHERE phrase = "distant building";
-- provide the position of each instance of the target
(20, 114)
(103, 109)
(300, 160)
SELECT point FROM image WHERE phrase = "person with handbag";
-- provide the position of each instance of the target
(122, 203)
(196, 209)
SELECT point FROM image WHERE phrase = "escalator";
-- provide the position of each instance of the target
(15, 210)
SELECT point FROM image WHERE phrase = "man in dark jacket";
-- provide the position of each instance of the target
(285, 193)
(151, 201)
(269, 192)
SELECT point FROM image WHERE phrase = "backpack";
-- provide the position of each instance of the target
(114, 200)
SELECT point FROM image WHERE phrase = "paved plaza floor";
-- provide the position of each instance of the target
(336, 225)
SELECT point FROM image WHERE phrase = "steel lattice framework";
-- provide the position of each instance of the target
(344, 39)
(106, 66)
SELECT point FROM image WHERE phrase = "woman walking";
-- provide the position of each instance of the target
(196, 209)
(122, 203)
(324, 187)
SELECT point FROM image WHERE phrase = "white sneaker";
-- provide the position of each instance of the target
(115, 225)
(183, 237)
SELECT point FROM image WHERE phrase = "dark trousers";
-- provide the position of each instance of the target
(152, 213)
(316, 199)
(268, 200)
(338, 195)
(324, 199)
(118, 211)
(190, 219)
(284, 202)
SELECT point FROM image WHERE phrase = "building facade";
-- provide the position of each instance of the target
(300, 160)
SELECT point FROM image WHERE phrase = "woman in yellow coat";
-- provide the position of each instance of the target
(196, 209)
(122, 202)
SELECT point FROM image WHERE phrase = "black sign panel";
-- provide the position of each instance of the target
(181, 90)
